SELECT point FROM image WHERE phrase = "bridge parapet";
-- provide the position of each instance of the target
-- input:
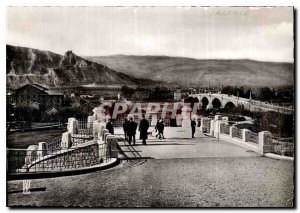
(262, 142)
(252, 105)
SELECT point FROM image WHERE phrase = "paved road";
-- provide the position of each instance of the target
(188, 173)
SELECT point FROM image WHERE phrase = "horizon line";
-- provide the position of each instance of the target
(120, 54)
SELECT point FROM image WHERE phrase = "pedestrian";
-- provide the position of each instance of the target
(193, 125)
(131, 130)
(125, 124)
(110, 127)
(143, 128)
(160, 128)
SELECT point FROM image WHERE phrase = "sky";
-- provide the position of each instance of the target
(258, 33)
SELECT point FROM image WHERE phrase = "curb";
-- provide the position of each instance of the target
(278, 157)
(83, 170)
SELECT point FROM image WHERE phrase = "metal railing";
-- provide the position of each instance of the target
(22, 161)
(224, 129)
(53, 145)
(283, 146)
(77, 139)
(85, 133)
(252, 137)
(236, 132)
(85, 127)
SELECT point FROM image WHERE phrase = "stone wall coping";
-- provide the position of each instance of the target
(60, 152)
(112, 162)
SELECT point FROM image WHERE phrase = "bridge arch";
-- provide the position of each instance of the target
(229, 105)
(216, 103)
(204, 102)
(241, 106)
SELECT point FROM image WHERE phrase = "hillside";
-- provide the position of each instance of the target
(188, 71)
(26, 65)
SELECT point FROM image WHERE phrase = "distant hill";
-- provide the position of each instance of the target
(27, 65)
(189, 71)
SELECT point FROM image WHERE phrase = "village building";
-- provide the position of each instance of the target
(38, 96)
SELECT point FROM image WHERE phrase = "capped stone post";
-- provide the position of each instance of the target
(66, 140)
(111, 147)
(230, 131)
(72, 126)
(244, 134)
(212, 125)
(42, 149)
(265, 142)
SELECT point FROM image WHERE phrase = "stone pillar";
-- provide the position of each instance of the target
(72, 126)
(106, 133)
(244, 134)
(66, 140)
(100, 133)
(230, 131)
(226, 120)
(111, 147)
(96, 130)
(218, 117)
(91, 119)
(42, 150)
(31, 153)
(203, 127)
(212, 125)
(265, 142)
(217, 131)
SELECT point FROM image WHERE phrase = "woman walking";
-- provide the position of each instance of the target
(160, 128)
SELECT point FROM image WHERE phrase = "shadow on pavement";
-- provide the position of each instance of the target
(160, 143)
(31, 190)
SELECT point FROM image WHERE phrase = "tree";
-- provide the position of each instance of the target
(265, 94)
(127, 92)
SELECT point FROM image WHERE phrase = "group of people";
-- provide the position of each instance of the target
(130, 127)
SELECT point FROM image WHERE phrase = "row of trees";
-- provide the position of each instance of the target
(262, 94)
(35, 115)
(156, 94)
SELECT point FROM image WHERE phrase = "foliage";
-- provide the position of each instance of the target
(160, 94)
(27, 114)
(127, 92)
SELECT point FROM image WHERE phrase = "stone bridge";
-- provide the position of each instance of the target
(218, 100)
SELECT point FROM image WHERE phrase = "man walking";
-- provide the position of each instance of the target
(143, 128)
(125, 129)
(110, 127)
(131, 130)
(193, 125)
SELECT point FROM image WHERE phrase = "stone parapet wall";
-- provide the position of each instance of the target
(70, 159)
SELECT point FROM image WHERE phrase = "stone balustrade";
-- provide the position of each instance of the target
(218, 127)
(102, 147)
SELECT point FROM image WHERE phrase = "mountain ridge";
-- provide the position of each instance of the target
(27, 65)
(189, 71)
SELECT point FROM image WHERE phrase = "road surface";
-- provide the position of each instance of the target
(176, 172)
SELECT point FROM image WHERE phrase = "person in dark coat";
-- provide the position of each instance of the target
(131, 130)
(143, 128)
(160, 128)
(125, 124)
(193, 125)
(110, 127)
